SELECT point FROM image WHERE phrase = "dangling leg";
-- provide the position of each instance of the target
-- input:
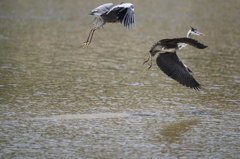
(145, 61)
(89, 39)
(85, 44)
(150, 64)
(149, 58)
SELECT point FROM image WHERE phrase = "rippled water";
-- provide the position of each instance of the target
(60, 101)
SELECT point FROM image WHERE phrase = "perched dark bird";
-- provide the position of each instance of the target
(169, 62)
(123, 13)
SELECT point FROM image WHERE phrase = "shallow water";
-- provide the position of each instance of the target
(58, 100)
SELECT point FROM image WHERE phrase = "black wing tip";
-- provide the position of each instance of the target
(194, 85)
(202, 47)
(197, 88)
(191, 84)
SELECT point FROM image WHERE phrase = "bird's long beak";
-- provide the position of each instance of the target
(200, 34)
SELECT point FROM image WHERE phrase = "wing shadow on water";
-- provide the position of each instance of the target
(174, 131)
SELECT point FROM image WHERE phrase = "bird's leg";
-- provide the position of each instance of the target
(91, 36)
(89, 39)
(149, 58)
(150, 64)
(145, 61)
(85, 44)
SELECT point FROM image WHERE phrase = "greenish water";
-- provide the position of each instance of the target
(60, 101)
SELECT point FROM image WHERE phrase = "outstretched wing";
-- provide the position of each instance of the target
(125, 14)
(172, 66)
(102, 9)
(189, 41)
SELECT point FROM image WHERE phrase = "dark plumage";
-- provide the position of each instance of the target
(169, 62)
(172, 66)
(173, 45)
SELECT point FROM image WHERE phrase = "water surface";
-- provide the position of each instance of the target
(58, 100)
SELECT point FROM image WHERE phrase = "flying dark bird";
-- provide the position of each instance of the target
(123, 13)
(169, 62)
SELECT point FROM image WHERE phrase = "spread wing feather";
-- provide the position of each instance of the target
(189, 41)
(125, 15)
(172, 66)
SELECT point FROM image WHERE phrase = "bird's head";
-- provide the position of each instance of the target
(195, 32)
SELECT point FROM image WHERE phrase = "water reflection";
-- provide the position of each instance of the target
(175, 130)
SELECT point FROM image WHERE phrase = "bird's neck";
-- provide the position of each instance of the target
(189, 34)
